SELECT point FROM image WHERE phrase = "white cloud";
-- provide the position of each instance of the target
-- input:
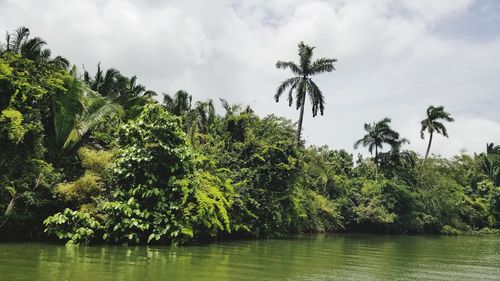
(392, 59)
(469, 134)
(436, 10)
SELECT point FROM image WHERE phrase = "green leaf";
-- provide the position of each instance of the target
(11, 190)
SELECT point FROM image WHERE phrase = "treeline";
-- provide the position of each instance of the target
(95, 157)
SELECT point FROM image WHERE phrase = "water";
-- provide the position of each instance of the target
(327, 257)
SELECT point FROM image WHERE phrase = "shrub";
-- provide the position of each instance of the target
(75, 227)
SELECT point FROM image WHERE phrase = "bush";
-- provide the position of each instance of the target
(450, 230)
(151, 187)
(73, 226)
(82, 189)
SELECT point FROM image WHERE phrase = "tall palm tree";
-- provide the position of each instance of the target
(432, 125)
(302, 84)
(378, 134)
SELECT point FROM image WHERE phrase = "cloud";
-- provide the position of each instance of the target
(395, 57)
(467, 134)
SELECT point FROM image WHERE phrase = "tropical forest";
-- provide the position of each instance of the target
(93, 158)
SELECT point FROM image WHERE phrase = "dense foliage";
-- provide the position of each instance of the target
(97, 158)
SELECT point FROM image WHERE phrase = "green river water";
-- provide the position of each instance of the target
(322, 257)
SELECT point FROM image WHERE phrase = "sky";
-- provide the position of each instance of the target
(395, 57)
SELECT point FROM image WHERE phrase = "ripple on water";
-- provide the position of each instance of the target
(327, 257)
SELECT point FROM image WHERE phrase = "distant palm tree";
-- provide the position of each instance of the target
(432, 125)
(491, 148)
(378, 134)
(203, 116)
(196, 119)
(16, 39)
(179, 104)
(490, 162)
(19, 42)
(302, 84)
(231, 109)
(199, 119)
(120, 89)
(105, 83)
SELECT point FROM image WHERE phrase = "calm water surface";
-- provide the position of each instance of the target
(329, 257)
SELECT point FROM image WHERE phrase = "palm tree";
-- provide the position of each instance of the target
(196, 119)
(302, 84)
(105, 83)
(491, 148)
(17, 39)
(204, 115)
(179, 104)
(120, 89)
(231, 109)
(378, 134)
(78, 111)
(19, 42)
(138, 90)
(200, 119)
(117, 87)
(432, 125)
(490, 162)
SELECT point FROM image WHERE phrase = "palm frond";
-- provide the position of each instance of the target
(230, 108)
(96, 109)
(290, 93)
(440, 128)
(66, 106)
(78, 111)
(60, 62)
(168, 102)
(423, 128)
(291, 82)
(32, 49)
(20, 36)
(363, 141)
(290, 65)
(44, 55)
(149, 94)
(301, 93)
(317, 99)
(322, 65)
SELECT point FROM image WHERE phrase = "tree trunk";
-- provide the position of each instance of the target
(428, 147)
(299, 127)
(376, 162)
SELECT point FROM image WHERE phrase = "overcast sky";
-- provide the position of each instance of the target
(395, 57)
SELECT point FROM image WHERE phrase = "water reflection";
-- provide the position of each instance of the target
(323, 257)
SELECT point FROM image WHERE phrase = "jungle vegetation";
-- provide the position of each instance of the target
(95, 157)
